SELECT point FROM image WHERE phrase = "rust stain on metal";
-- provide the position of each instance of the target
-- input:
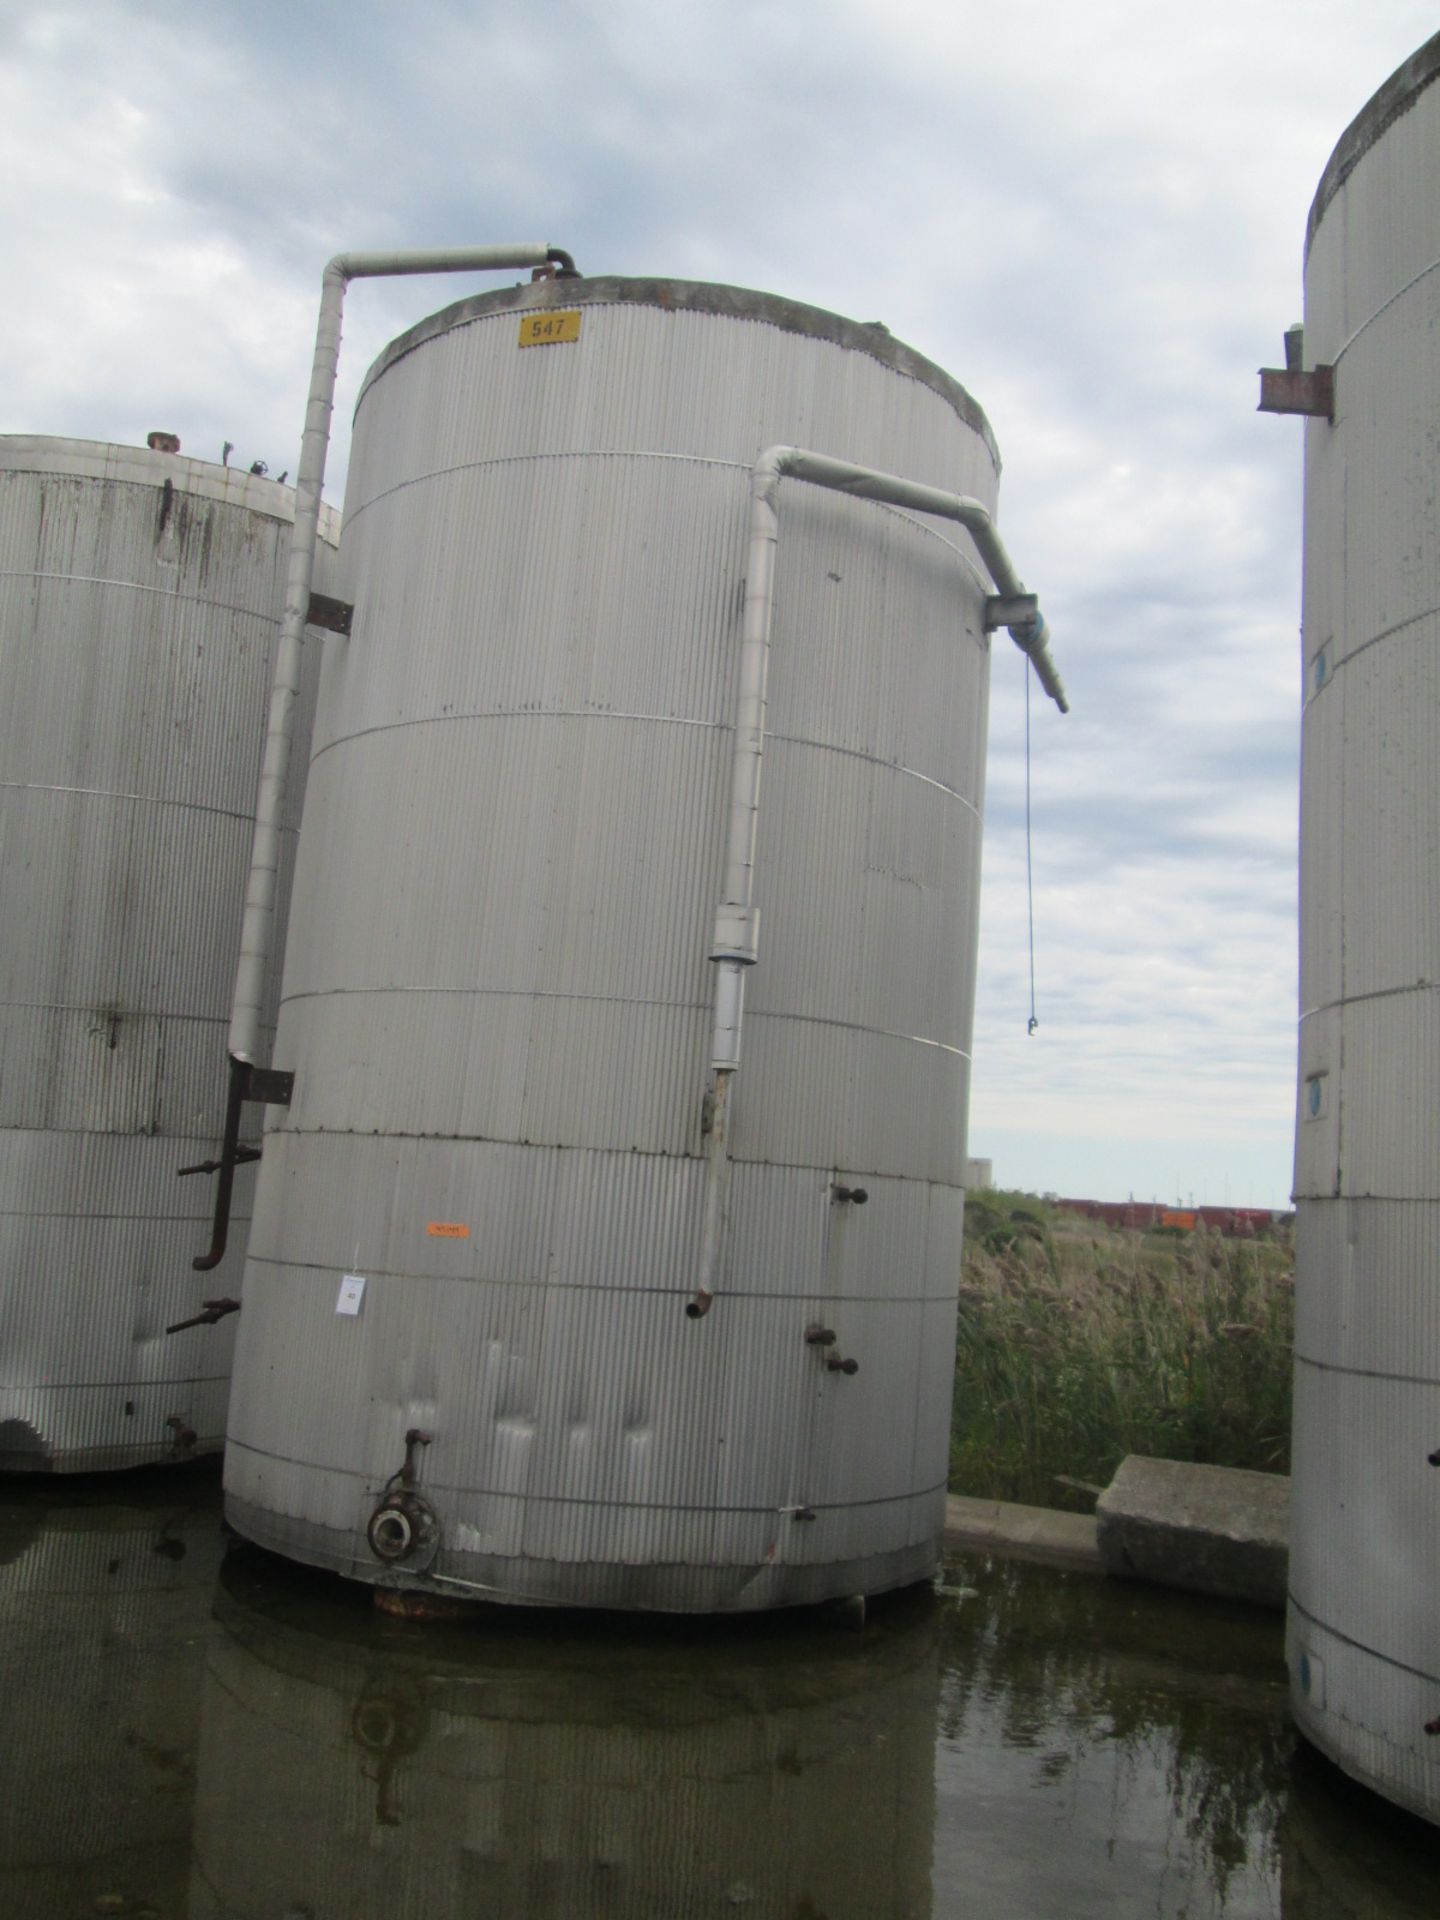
(334, 615)
(1287, 390)
(409, 1603)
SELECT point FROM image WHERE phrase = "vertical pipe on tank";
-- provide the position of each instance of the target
(257, 931)
(736, 943)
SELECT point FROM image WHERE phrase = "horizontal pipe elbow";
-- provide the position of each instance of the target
(768, 470)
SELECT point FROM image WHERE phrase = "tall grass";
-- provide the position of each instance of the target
(1078, 1344)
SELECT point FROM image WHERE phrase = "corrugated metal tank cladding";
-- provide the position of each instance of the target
(139, 594)
(1365, 1507)
(497, 987)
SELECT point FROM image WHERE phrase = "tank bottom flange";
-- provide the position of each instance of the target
(667, 1587)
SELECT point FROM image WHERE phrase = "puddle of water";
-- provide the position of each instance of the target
(215, 1738)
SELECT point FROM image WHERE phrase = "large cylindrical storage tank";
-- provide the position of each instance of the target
(139, 598)
(497, 991)
(1365, 1515)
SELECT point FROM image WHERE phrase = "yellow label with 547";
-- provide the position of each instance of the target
(549, 329)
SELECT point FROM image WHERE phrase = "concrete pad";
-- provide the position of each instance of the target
(1213, 1530)
(1029, 1533)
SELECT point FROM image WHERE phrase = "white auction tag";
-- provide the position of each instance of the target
(352, 1292)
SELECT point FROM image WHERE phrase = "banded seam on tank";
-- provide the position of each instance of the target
(921, 525)
(84, 1006)
(758, 1014)
(56, 1213)
(873, 760)
(1382, 309)
(356, 514)
(467, 1493)
(138, 586)
(629, 1154)
(136, 799)
(545, 1283)
(1366, 1373)
(641, 719)
(1360, 1646)
(1389, 633)
(521, 713)
(1377, 993)
(501, 993)
(88, 1386)
(609, 1000)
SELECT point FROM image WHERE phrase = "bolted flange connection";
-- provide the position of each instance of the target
(402, 1526)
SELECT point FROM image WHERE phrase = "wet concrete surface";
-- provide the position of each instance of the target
(194, 1729)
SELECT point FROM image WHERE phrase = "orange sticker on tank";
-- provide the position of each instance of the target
(448, 1230)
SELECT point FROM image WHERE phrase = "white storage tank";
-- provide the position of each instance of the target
(139, 594)
(474, 1353)
(1365, 1517)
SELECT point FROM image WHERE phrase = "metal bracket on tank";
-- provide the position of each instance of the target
(1011, 610)
(212, 1312)
(1297, 390)
(334, 615)
(270, 1088)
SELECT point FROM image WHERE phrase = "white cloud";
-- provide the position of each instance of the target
(1092, 216)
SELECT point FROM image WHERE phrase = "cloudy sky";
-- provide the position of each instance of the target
(1092, 215)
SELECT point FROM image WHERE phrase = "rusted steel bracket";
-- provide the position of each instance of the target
(242, 1154)
(1289, 390)
(247, 1082)
(334, 615)
(212, 1311)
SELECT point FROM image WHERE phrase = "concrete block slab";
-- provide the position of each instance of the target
(1216, 1530)
(1027, 1533)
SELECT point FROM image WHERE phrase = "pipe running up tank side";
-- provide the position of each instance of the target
(737, 923)
(248, 1081)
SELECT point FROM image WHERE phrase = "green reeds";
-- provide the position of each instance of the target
(1078, 1344)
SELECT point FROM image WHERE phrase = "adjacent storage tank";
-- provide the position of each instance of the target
(1365, 1516)
(465, 1359)
(139, 593)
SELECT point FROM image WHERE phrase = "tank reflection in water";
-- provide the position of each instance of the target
(102, 1589)
(554, 1765)
(186, 1742)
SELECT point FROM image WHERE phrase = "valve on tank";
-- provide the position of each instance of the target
(404, 1524)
